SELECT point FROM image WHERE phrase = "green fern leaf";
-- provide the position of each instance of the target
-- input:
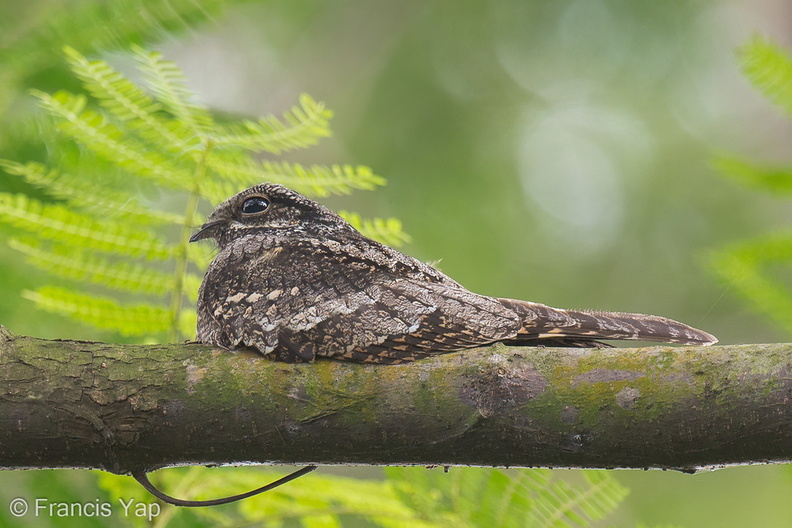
(386, 230)
(192, 283)
(101, 312)
(128, 103)
(321, 180)
(301, 127)
(90, 25)
(109, 142)
(319, 498)
(757, 270)
(490, 497)
(162, 138)
(72, 263)
(769, 68)
(216, 190)
(316, 181)
(201, 254)
(777, 180)
(496, 490)
(234, 171)
(512, 501)
(169, 85)
(604, 495)
(188, 320)
(567, 505)
(747, 268)
(82, 193)
(59, 222)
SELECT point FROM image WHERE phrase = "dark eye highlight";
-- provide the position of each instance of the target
(254, 205)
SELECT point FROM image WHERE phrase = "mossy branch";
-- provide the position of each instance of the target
(126, 407)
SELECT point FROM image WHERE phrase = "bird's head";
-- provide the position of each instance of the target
(268, 207)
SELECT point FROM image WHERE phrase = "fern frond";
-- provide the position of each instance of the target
(499, 497)
(109, 142)
(511, 500)
(191, 284)
(300, 127)
(201, 254)
(188, 321)
(314, 180)
(75, 264)
(235, 167)
(101, 312)
(322, 501)
(82, 193)
(746, 268)
(490, 497)
(154, 131)
(216, 190)
(386, 230)
(169, 85)
(566, 505)
(103, 26)
(322, 180)
(128, 103)
(777, 180)
(769, 68)
(317, 181)
(60, 223)
(604, 494)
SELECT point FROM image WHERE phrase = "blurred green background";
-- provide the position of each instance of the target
(553, 151)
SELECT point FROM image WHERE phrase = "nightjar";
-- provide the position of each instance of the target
(294, 281)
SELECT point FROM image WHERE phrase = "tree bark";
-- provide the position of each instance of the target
(129, 407)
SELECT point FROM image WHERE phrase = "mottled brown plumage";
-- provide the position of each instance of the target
(293, 280)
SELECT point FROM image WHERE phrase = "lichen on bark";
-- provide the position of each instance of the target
(127, 407)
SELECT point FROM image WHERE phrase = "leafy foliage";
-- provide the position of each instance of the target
(386, 230)
(769, 68)
(759, 269)
(86, 23)
(490, 497)
(138, 141)
(417, 497)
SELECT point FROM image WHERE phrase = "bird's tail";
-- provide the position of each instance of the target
(582, 328)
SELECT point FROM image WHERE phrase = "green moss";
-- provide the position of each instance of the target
(618, 385)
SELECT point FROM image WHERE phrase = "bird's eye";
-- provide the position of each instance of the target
(254, 205)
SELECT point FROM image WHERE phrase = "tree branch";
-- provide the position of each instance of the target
(130, 407)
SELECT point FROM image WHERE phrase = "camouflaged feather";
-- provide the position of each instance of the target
(296, 281)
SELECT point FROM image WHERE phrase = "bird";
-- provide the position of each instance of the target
(294, 281)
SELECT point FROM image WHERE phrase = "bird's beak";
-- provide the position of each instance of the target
(206, 231)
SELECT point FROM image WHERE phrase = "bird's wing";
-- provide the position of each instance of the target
(300, 302)
(395, 320)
